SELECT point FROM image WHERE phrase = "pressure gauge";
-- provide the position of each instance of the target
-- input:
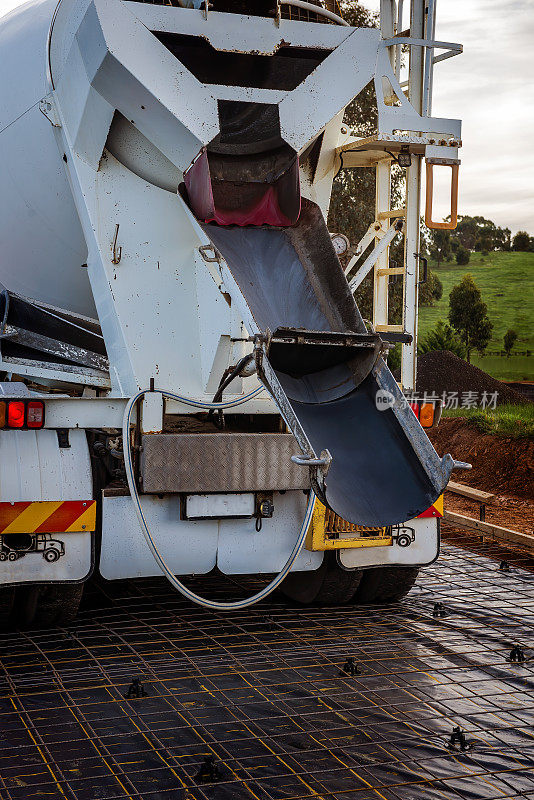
(340, 242)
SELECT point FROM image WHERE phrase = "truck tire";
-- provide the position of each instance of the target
(385, 584)
(329, 585)
(58, 604)
(7, 597)
(45, 606)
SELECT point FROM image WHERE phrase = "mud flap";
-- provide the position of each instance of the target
(384, 469)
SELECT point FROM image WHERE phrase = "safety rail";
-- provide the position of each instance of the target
(296, 10)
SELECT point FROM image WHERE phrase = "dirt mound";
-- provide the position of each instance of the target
(443, 372)
(500, 465)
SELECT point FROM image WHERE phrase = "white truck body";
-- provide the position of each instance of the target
(99, 121)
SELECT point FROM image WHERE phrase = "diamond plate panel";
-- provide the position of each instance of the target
(220, 462)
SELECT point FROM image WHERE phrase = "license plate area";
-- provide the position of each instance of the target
(218, 506)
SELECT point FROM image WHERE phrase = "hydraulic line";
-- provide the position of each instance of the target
(226, 380)
(171, 577)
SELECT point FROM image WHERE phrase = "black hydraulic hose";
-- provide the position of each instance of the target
(226, 381)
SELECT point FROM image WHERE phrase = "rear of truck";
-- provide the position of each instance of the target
(226, 406)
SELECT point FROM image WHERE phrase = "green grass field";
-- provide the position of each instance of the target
(506, 281)
(514, 422)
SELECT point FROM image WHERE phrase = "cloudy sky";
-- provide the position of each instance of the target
(490, 87)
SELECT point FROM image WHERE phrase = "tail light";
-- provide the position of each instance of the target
(426, 415)
(427, 412)
(19, 414)
(35, 414)
(16, 413)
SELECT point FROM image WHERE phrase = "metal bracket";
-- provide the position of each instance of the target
(424, 261)
(63, 438)
(47, 107)
(117, 254)
(318, 466)
(375, 254)
(205, 248)
(374, 231)
(323, 461)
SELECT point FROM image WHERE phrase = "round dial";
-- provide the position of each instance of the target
(340, 242)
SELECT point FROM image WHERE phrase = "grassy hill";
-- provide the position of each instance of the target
(506, 281)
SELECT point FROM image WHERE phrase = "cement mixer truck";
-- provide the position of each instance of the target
(186, 382)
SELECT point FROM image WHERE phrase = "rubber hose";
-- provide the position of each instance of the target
(171, 577)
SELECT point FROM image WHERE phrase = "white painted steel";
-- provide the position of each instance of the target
(188, 546)
(407, 116)
(244, 550)
(33, 467)
(306, 110)
(246, 34)
(41, 240)
(381, 282)
(379, 249)
(163, 310)
(423, 550)
(197, 546)
(413, 210)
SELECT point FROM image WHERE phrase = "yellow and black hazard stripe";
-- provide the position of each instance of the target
(48, 516)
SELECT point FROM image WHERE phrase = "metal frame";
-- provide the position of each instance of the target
(406, 125)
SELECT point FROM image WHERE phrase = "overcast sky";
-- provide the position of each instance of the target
(490, 87)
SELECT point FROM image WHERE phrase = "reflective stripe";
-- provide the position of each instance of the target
(435, 510)
(48, 516)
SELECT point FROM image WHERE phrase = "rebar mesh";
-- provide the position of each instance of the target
(264, 691)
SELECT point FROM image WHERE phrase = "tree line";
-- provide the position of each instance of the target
(474, 234)
(352, 210)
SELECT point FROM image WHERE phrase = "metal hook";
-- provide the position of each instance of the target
(117, 255)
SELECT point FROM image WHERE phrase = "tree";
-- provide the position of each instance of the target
(478, 233)
(468, 315)
(462, 256)
(431, 290)
(394, 358)
(440, 245)
(521, 241)
(510, 338)
(442, 337)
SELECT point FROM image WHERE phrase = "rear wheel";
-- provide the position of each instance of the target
(328, 585)
(44, 606)
(385, 584)
(7, 597)
(58, 604)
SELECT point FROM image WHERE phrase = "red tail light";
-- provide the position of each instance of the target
(16, 412)
(415, 409)
(35, 414)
